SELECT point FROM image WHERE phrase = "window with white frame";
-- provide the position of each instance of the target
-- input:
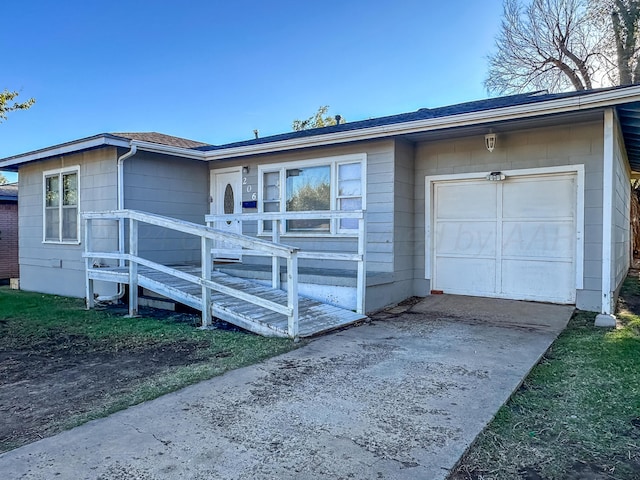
(335, 183)
(61, 212)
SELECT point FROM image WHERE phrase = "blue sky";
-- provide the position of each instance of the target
(216, 70)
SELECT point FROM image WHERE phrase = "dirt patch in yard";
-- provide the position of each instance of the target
(62, 377)
(62, 365)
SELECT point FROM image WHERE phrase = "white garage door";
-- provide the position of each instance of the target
(510, 239)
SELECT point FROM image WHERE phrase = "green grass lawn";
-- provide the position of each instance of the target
(577, 415)
(108, 361)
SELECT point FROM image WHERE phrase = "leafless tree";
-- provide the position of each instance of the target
(619, 22)
(545, 45)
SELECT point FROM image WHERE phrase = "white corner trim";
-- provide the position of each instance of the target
(578, 170)
(580, 186)
(607, 212)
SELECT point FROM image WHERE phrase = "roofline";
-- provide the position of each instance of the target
(64, 149)
(97, 141)
(170, 149)
(589, 100)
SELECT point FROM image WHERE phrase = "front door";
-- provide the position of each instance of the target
(227, 193)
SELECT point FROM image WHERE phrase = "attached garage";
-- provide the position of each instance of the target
(515, 234)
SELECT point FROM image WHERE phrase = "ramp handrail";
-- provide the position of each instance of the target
(207, 235)
(278, 220)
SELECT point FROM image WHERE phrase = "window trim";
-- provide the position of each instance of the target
(333, 162)
(60, 172)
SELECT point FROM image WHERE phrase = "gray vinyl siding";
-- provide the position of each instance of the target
(59, 268)
(404, 230)
(379, 206)
(173, 187)
(575, 144)
(158, 184)
(621, 233)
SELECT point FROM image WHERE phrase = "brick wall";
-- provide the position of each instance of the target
(9, 240)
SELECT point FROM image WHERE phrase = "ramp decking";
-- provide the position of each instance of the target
(315, 317)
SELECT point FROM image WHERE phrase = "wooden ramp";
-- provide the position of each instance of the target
(314, 317)
(266, 310)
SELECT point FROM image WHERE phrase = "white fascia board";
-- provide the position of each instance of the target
(64, 149)
(549, 107)
(99, 141)
(168, 149)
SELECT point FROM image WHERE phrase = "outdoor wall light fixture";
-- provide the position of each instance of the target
(490, 141)
(245, 170)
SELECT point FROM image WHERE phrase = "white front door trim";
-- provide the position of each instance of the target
(430, 180)
(217, 207)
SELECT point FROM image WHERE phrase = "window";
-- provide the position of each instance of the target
(324, 184)
(308, 189)
(349, 196)
(61, 206)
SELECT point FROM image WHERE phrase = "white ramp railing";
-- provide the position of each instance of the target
(278, 225)
(207, 236)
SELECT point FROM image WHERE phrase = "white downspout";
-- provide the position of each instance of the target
(132, 151)
(121, 160)
(120, 206)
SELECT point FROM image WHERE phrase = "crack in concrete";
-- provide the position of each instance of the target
(166, 443)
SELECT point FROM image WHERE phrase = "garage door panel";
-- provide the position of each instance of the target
(466, 238)
(512, 239)
(543, 197)
(478, 275)
(537, 280)
(474, 201)
(538, 239)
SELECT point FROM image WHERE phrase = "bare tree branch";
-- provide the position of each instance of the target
(545, 44)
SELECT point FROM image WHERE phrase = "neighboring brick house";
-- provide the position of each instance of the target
(9, 231)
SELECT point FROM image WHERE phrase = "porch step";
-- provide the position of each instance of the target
(161, 303)
(319, 276)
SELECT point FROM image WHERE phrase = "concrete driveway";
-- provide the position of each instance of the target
(399, 398)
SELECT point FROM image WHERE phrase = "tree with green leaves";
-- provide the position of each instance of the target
(8, 103)
(317, 120)
(309, 198)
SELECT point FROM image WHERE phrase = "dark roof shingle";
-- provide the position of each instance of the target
(421, 114)
(161, 138)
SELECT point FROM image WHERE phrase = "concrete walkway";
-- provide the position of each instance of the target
(400, 398)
